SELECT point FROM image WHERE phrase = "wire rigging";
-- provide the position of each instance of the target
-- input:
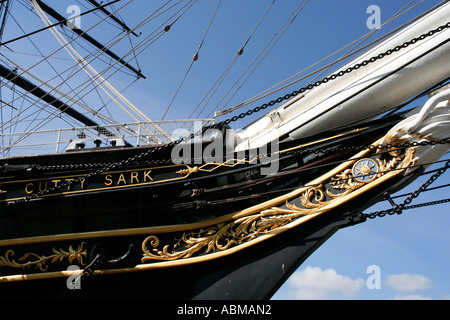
(58, 50)
(177, 16)
(273, 41)
(46, 59)
(104, 80)
(63, 80)
(279, 86)
(217, 83)
(194, 59)
(264, 52)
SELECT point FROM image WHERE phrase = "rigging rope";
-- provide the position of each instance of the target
(338, 74)
(309, 87)
(167, 27)
(99, 53)
(59, 75)
(150, 39)
(218, 82)
(279, 86)
(96, 77)
(398, 209)
(274, 39)
(64, 81)
(362, 39)
(194, 59)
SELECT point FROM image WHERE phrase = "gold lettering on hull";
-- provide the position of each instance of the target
(116, 179)
(127, 178)
(39, 186)
(108, 180)
(112, 179)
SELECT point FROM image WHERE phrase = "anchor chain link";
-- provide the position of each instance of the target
(145, 154)
(338, 74)
(398, 209)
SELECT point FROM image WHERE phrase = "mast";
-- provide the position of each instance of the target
(100, 81)
(53, 101)
(87, 37)
(4, 8)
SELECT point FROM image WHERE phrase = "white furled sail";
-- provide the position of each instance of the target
(363, 93)
(431, 122)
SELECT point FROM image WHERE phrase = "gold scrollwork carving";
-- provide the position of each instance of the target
(40, 262)
(211, 166)
(222, 236)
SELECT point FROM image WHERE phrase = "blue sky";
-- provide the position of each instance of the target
(412, 251)
(412, 248)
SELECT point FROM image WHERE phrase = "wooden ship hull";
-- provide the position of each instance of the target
(211, 231)
(226, 223)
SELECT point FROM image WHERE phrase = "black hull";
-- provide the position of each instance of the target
(257, 278)
(225, 238)
(255, 273)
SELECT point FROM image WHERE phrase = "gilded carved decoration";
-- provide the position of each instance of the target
(223, 236)
(208, 240)
(41, 262)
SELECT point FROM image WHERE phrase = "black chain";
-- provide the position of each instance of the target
(398, 209)
(338, 74)
(389, 146)
(275, 101)
(132, 160)
(235, 118)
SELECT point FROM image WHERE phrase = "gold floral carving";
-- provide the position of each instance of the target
(41, 262)
(223, 236)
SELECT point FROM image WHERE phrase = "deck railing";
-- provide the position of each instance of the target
(60, 140)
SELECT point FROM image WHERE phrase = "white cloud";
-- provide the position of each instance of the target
(411, 297)
(408, 282)
(315, 283)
